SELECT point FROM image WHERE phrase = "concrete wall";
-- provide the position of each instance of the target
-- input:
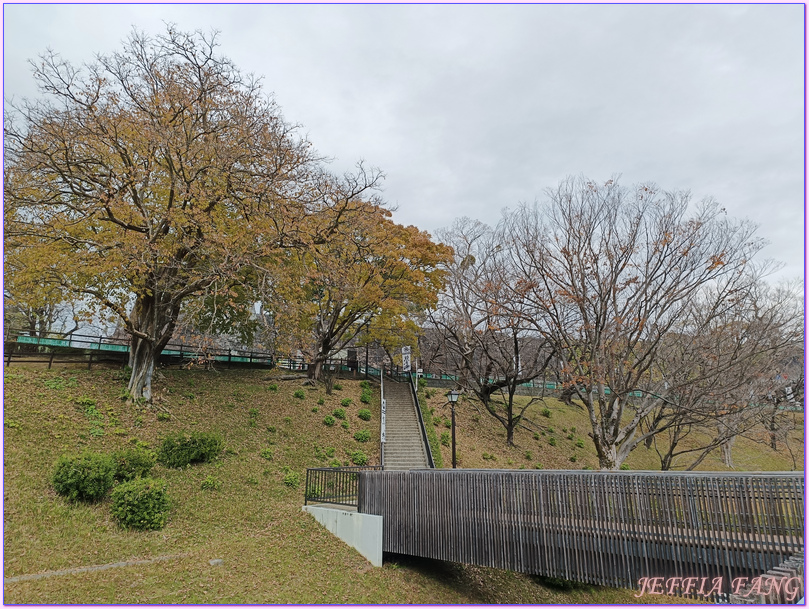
(363, 532)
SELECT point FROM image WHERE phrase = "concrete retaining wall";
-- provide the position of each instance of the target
(363, 532)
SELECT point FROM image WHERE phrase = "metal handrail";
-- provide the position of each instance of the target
(421, 422)
(334, 485)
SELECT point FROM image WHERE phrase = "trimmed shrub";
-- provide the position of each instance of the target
(337, 386)
(84, 477)
(345, 402)
(328, 420)
(141, 504)
(365, 397)
(344, 425)
(266, 453)
(321, 401)
(299, 393)
(292, 480)
(363, 435)
(339, 413)
(272, 387)
(445, 438)
(624, 467)
(132, 463)
(552, 441)
(580, 443)
(365, 384)
(335, 463)
(359, 458)
(422, 383)
(364, 414)
(546, 412)
(179, 450)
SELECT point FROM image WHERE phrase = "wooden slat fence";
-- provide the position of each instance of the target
(606, 528)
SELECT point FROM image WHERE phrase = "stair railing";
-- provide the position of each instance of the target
(383, 408)
(424, 439)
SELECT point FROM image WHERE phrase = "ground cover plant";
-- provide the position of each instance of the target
(247, 515)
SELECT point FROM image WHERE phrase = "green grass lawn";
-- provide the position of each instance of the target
(560, 441)
(272, 552)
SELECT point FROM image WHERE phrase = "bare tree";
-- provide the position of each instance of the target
(610, 272)
(488, 338)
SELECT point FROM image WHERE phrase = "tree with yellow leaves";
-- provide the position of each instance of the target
(156, 174)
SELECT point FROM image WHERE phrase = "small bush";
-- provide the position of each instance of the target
(363, 435)
(328, 421)
(253, 412)
(329, 451)
(321, 401)
(272, 387)
(536, 436)
(422, 383)
(163, 416)
(624, 466)
(84, 477)
(335, 463)
(345, 402)
(299, 393)
(365, 397)
(141, 504)
(429, 393)
(364, 414)
(445, 439)
(287, 420)
(489, 457)
(573, 429)
(538, 466)
(345, 425)
(545, 412)
(570, 436)
(211, 484)
(179, 450)
(365, 384)
(131, 463)
(580, 443)
(587, 467)
(573, 458)
(564, 430)
(529, 456)
(447, 423)
(291, 479)
(550, 429)
(337, 387)
(266, 453)
(359, 458)
(315, 409)
(339, 413)
(552, 441)
(271, 428)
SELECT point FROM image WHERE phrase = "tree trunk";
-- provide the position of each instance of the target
(155, 318)
(727, 452)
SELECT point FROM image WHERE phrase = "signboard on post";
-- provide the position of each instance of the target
(406, 359)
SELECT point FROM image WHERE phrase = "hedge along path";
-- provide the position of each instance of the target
(76, 570)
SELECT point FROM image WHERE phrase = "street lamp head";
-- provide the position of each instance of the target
(453, 396)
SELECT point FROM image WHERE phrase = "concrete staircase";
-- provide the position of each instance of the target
(404, 447)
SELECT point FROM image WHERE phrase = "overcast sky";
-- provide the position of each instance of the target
(470, 109)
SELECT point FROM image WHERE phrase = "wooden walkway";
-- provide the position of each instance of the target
(606, 528)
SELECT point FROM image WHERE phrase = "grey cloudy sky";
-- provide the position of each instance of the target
(470, 109)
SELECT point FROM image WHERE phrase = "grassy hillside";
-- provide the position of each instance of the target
(272, 552)
(560, 441)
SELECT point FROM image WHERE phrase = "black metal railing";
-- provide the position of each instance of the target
(424, 438)
(335, 485)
